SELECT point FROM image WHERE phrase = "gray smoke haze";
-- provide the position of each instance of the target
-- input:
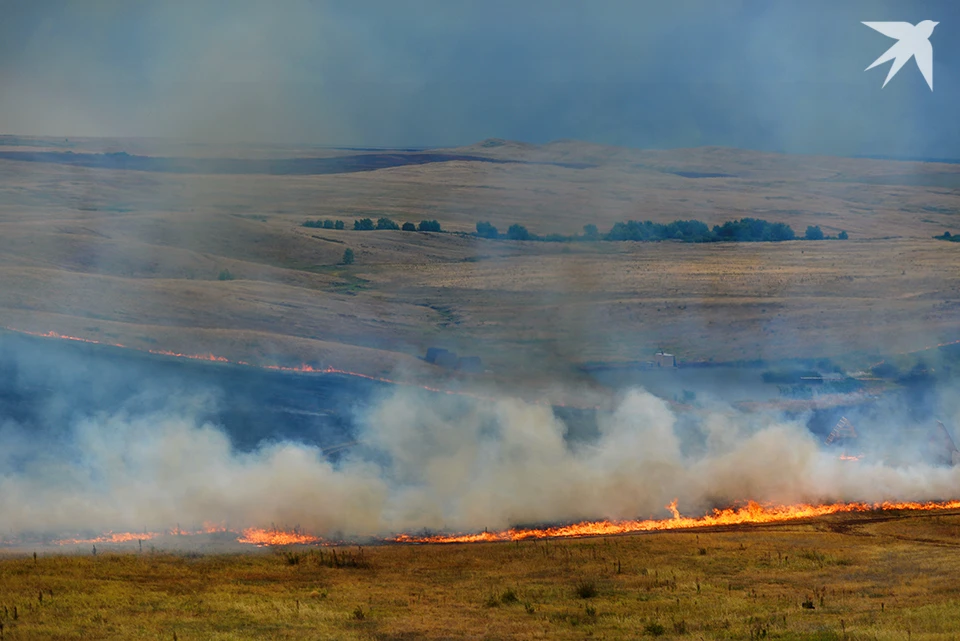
(437, 463)
(778, 75)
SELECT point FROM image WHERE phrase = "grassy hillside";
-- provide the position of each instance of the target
(135, 257)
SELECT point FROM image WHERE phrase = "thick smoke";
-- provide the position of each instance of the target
(431, 462)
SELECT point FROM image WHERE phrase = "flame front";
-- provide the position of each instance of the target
(749, 514)
(111, 537)
(752, 513)
(262, 537)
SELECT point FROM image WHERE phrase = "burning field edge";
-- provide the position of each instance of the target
(752, 513)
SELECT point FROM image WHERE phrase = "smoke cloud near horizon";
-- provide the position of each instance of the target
(434, 462)
(782, 76)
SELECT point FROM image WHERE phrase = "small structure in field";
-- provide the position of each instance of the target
(662, 359)
(449, 360)
(843, 432)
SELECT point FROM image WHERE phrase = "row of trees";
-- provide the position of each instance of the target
(367, 224)
(324, 224)
(691, 231)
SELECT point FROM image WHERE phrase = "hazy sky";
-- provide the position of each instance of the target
(785, 75)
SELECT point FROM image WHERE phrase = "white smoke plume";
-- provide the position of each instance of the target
(430, 462)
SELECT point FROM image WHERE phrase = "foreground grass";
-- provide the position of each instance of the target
(825, 580)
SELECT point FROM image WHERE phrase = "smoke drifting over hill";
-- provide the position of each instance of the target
(424, 461)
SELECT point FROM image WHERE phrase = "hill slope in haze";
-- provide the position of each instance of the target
(199, 262)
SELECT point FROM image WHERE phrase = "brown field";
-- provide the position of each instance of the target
(851, 578)
(133, 257)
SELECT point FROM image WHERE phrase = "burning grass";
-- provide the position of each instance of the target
(847, 576)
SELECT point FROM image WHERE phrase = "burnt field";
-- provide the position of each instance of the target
(45, 384)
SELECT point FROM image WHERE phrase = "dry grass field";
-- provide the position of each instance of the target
(134, 257)
(845, 579)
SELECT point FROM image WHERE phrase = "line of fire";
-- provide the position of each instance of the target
(847, 442)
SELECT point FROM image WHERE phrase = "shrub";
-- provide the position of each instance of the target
(586, 589)
(347, 256)
(225, 275)
(359, 614)
(364, 224)
(654, 629)
(486, 230)
(509, 596)
(428, 225)
(386, 223)
(518, 232)
(409, 227)
(813, 233)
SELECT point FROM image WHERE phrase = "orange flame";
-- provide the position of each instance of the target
(261, 537)
(752, 513)
(111, 537)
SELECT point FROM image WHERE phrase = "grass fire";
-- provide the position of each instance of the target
(331, 320)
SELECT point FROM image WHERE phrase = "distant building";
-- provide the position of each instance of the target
(662, 359)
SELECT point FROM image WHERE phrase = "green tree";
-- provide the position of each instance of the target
(328, 224)
(814, 233)
(518, 232)
(486, 230)
(428, 225)
(386, 223)
(590, 232)
(364, 224)
(338, 225)
(347, 256)
(225, 275)
(842, 235)
(408, 226)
